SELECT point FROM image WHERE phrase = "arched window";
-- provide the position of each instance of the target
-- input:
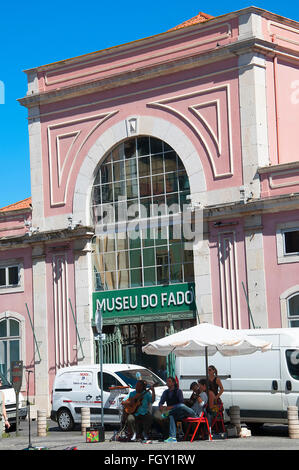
(141, 178)
(9, 344)
(293, 310)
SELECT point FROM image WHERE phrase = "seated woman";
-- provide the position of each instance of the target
(211, 399)
(215, 383)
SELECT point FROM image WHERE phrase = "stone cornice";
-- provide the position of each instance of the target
(263, 206)
(278, 168)
(149, 72)
(48, 237)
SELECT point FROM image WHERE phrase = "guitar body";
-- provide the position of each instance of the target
(132, 404)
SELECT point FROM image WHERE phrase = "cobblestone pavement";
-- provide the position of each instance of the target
(270, 437)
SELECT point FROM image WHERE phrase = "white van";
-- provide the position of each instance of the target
(80, 386)
(10, 402)
(263, 385)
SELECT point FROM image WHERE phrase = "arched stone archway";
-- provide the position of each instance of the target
(134, 126)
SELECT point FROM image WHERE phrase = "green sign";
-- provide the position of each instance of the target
(172, 298)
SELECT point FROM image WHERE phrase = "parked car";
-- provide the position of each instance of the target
(262, 384)
(80, 386)
(10, 402)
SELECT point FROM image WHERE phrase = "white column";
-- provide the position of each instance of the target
(40, 320)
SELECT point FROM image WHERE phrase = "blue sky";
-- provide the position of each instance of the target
(36, 33)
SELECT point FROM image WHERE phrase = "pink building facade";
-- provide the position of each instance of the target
(204, 116)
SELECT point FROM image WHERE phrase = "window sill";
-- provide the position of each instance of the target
(11, 289)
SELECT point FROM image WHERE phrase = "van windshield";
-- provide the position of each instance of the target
(292, 357)
(131, 376)
(5, 383)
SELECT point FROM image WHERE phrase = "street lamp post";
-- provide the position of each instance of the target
(99, 328)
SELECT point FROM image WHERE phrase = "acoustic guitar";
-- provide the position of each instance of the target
(132, 404)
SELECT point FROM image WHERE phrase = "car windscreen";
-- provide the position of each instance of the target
(5, 383)
(130, 377)
(292, 357)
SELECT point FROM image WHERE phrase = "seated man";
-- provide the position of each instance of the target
(175, 410)
(137, 410)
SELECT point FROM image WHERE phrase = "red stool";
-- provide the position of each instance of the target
(218, 419)
(197, 421)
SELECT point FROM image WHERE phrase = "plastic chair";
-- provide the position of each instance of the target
(198, 420)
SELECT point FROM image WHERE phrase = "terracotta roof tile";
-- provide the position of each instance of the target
(16, 206)
(200, 18)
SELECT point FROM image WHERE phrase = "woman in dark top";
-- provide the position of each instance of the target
(215, 383)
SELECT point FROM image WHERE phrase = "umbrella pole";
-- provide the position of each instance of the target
(207, 378)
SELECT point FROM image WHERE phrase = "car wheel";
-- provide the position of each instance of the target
(65, 420)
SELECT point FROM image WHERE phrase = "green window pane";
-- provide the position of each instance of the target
(136, 277)
(148, 257)
(134, 240)
(162, 274)
(14, 349)
(176, 273)
(148, 237)
(14, 329)
(135, 258)
(149, 276)
(3, 358)
(176, 253)
(294, 306)
(2, 277)
(3, 329)
(161, 235)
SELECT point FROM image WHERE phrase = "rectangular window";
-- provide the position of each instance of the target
(291, 241)
(9, 276)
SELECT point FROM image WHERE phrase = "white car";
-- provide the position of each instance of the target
(80, 386)
(10, 402)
